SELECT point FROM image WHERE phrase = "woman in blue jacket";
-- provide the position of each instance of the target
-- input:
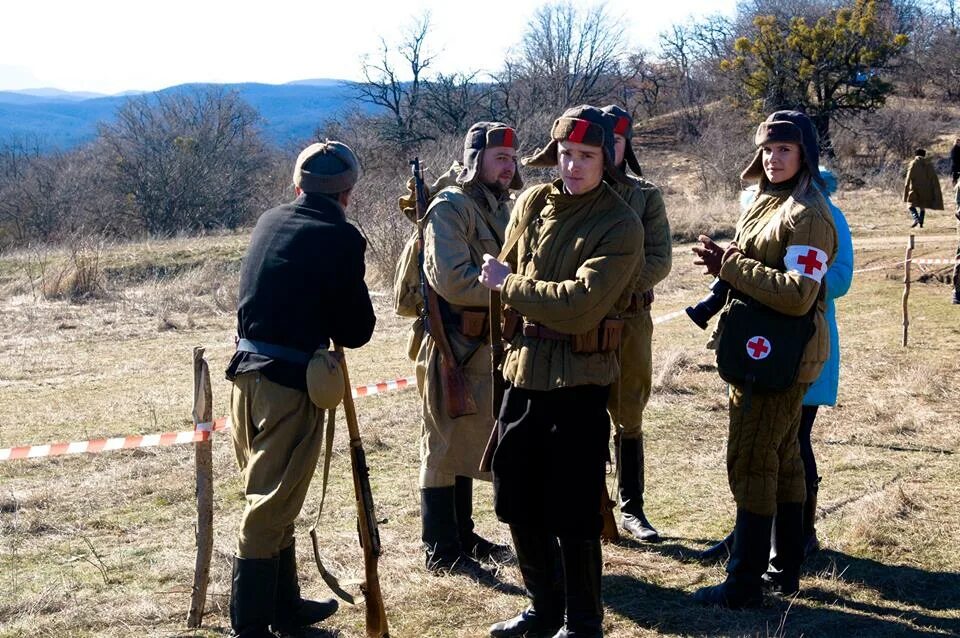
(824, 389)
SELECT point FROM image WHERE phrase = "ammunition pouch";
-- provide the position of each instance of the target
(512, 320)
(473, 323)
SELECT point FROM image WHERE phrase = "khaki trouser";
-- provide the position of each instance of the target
(763, 453)
(277, 436)
(629, 396)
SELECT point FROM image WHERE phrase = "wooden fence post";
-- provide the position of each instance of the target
(202, 420)
(906, 289)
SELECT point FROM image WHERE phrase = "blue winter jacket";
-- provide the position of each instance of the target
(823, 391)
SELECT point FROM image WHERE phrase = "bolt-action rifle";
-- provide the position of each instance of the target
(376, 615)
(458, 401)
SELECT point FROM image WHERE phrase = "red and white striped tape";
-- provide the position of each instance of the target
(202, 433)
(118, 443)
(384, 386)
(936, 261)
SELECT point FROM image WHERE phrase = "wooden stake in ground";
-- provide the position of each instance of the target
(202, 419)
(906, 288)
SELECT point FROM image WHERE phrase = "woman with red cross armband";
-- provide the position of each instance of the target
(783, 247)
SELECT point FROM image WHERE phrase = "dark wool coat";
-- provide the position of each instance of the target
(922, 187)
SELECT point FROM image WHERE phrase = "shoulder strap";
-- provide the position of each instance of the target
(538, 201)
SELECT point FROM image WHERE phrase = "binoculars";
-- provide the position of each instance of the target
(706, 308)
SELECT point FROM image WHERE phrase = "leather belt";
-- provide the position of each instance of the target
(531, 329)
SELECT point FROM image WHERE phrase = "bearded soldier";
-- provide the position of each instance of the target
(301, 285)
(629, 396)
(562, 282)
(462, 223)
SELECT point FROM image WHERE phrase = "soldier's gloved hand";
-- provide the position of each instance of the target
(710, 255)
(493, 272)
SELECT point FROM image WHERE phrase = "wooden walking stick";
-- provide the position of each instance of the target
(376, 615)
(202, 420)
(906, 289)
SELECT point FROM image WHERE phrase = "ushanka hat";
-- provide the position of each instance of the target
(624, 126)
(481, 136)
(584, 125)
(328, 167)
(786, 126)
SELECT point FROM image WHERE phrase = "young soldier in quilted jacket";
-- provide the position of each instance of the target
(566, 278)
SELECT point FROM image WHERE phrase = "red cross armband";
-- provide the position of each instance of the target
(809, 261)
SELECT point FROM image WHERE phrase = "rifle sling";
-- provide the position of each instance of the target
(332, 581)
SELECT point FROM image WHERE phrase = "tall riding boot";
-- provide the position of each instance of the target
(631, 491)
(916, 217)
(538, 558)
(748, 561)
(582, 569)
(253, 597)
(783, 574)
(720, 551)
(293, 612)
(810, 543)
(473, 544)
(923, 213)
(440, 539)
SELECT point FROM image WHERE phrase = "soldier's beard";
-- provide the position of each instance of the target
(497, 188)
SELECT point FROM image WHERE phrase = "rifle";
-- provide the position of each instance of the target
(497, 383)
(376, 615)
(457, 398)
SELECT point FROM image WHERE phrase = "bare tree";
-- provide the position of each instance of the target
(186, 161)
(568, 56)
(399, 93)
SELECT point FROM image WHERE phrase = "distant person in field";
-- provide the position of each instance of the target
(956, 267)
(922, 188)
(823, 391)
(955, 161)
(629, 395)
(301, 286)
(463, 221)
(564, 284)
(784, 245)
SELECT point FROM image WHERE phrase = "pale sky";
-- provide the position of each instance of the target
(108, 46)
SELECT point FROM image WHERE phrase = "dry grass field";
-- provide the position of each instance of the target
(103, 545)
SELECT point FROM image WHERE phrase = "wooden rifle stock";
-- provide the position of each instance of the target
(496, 379)
(457, 398)
(376, 615)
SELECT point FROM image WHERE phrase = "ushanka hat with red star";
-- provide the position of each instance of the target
(582, 124)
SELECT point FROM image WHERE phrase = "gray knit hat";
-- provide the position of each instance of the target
(582, 124)
(328, 167)
(624, 127)
(483, 135)
(787, 126)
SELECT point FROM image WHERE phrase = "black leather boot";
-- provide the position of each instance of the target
(783, 573)
(923, 213)
(810, 543)
(719, 552)
(538, 559)
(748, 562)
(253, 597)
(293, 612)
(631, 491)
(471, 543)
(916, 217)
(441, 541)
(582, 569)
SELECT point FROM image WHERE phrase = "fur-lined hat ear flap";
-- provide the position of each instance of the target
(542, 157)
(754, 170)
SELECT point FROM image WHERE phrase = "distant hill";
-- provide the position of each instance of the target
(61, 119)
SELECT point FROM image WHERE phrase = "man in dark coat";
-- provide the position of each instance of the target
(301, 286)
(922, 188)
